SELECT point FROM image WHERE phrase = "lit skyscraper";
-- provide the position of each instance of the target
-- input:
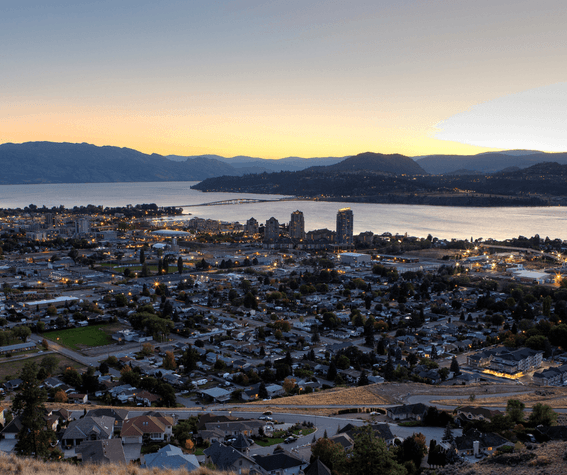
(345, 226)
(272, 230)
(297, 225)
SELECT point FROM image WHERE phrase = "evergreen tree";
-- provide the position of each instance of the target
(142, 256)
(33, 438)
(160, 267)
(262, 391)
(180, 265)
(332, 372)
(363, 380)
(389, 370)
(455, 366)
(448, 436)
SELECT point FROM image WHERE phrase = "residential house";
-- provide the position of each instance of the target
(102, 452)
(88, 428)
(230, 459)
(413, 412)
(488, 442)
(171, 457)
(157, 428)
(281, 463)
(119, 416)
(471, 413)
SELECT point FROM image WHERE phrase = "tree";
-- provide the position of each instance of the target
(331, 454)
(448, 436)
(413, 449)
(289, 384)
(332, 372)
(190, 359)
(250, 301)
(60, 396)
(389, 370)
(142, 256)
(371, 456)
(169, 361)
(455, 366)
(262, 391)
(180, 265)
(21, 332)
(542, 414)
(515, 410)
(147, 349)
(363, 380)
(33, 438)
(50, 363)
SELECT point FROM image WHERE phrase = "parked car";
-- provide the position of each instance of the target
(289, 440)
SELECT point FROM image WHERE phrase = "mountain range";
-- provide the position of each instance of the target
(50, 162)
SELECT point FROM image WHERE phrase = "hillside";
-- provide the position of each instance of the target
(48, 162)
(543, 184)
(487, 162)
(26, 466)
(394, 164)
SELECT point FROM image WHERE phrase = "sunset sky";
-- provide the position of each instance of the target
(286, 78)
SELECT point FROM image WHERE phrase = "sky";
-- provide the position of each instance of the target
(286, 78)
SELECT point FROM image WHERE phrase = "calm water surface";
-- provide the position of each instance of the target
(440, 221)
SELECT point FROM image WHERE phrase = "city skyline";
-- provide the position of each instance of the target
(286, 79)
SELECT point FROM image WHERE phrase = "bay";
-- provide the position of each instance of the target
(415, 220)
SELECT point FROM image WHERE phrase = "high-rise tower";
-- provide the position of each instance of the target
(297, 225)
(345, 226)
(272, 230)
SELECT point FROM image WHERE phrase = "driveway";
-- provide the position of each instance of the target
(132, 451)
(7, 445)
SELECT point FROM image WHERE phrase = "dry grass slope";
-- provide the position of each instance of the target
(12, 465)
(365, 395)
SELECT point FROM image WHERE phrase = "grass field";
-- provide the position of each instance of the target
(11, 368)
(80, 338)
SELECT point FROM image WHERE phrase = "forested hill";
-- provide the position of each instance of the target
(542, 184)
(394, 164)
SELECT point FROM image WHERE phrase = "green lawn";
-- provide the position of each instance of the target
(270, 441)
(80, 338)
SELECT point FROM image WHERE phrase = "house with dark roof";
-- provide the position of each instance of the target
(102, 451)
(471, 413)
(88, 428)
(281, 463)
(488, 442)
(171, 457)
(245, 427)
(380, 430)
(317, 468)
(119, 415)
(12, 428)
(228, 458)
(413, 412)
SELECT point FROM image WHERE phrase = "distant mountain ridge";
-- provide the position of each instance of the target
(50, 162)
(488, 162)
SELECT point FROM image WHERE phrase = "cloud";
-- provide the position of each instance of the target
(535, 119)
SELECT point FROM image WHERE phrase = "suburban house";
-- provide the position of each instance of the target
(158, 428)
(470, 413)
(228, 458)
(488, 442)
(171, 457)
(102, 451)
(88, 428)
(413, 412)
(247, 427)
(119, 415)
(281, 463)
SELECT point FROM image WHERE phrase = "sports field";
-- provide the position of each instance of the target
(83, 337)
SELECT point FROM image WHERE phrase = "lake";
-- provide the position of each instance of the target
(415, 220)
